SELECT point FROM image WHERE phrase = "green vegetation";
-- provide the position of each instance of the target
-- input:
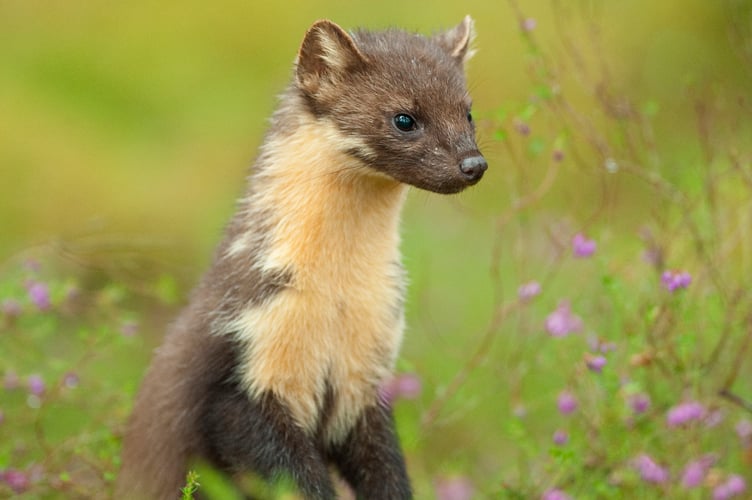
(580, 323)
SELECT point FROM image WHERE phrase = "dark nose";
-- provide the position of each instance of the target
(473, 167)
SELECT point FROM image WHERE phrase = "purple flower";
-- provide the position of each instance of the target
(695, 471)
(16, 480)
(555, 494)
(39, 294)
(732, 487)
(454, 488)
(35, 385)
(685, 413)
(405, 386)
(595, 363)
(566, 402)
(582, 247)
(649, 470)
(640, 402)
(528, 24)
(744, 431)
(71, 380)
(11, 308)
(557, 155)
(562, 322)
(674, 280)
(528, 290)
(560, 437)
(522, 127)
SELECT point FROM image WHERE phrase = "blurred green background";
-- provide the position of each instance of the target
(141, 118)
(127, 128)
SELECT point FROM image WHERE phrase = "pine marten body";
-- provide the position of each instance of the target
(276, 363)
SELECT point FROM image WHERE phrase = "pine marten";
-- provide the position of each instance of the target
(276, 363)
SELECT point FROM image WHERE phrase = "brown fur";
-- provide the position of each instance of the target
(276, 363)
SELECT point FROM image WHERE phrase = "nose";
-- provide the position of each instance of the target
(473, 167)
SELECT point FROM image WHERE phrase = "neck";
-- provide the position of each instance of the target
(327, 212)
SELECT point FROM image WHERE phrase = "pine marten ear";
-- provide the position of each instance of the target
(457, 40)
(327, 53)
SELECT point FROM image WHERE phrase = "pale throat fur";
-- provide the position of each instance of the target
(337, 324)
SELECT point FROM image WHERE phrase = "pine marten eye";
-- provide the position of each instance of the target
(405, 122)
(469, 117)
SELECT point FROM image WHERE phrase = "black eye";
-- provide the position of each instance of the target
(469, 117)
(404, 122)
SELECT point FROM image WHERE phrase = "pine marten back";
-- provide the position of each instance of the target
(276, 363)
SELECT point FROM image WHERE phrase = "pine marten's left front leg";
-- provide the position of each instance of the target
(370, 458)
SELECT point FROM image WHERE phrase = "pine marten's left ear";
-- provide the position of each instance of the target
(457, 40)
(326, 54)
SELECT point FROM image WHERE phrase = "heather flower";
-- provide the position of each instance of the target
(595, 363)
(695, 471)
(71, 380)
(522, 127)
(39, 294)
(35, 385)
(529, 24)
(640, 402)
(405, 386)
(560, 437)
(566, 402)
(555, 495)
(562, 322)
(685, 413)
(649, 470)
(11, 308)
(16, 480)
(528, 290)
(732, 487)
(714, 418)
(744, 430)
(454, 488)
(582, 247)
(674, 280)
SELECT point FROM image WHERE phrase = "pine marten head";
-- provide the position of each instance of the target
(400, 99)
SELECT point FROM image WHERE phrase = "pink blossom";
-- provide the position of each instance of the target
(404, 386)
(695, 471)
(566, 402)
(640, 402)
(649, 470)
(35, 384)
(454, 488)
(685, 413)
(595, 363)
(528, 290)
(555, 495)
(71, 380)
(583, 247)
(529, 24)
(674, 280)
(561, 322)
(16, 480)
(39, 294)
(744, 431)
(560, 437)
(733, 486)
